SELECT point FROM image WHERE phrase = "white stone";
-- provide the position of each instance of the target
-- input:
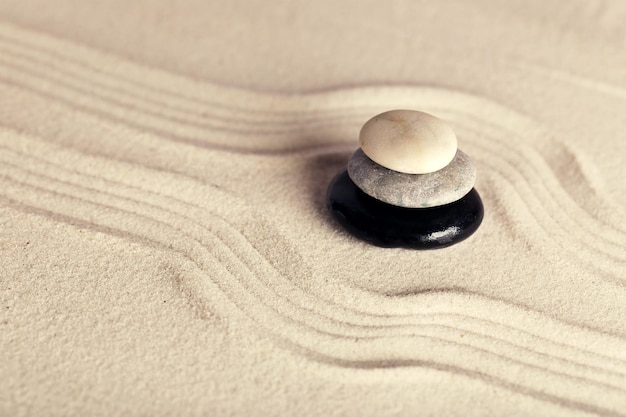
(408, 141)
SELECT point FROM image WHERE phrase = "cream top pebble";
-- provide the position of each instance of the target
(408, 141)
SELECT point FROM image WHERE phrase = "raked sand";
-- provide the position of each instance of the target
(165, 247)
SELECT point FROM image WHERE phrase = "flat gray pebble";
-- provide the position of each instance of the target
(437, 188)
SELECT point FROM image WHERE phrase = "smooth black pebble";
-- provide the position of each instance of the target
(385, 225)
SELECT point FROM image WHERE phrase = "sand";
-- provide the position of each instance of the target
(165, 246)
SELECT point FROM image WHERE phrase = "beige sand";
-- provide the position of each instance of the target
(165, 248)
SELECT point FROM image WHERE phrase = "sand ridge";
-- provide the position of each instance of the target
(218, 194)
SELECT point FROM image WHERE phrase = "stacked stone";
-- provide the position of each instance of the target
(410, 159)
(408, 184)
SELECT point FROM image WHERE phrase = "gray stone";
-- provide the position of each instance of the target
(437, 188)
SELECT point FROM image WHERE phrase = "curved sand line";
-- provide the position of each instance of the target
(324, 334)
(481, 103)
(241, 251)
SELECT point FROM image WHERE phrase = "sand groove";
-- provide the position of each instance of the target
(496, 150)
(307, 320)
(224, 234)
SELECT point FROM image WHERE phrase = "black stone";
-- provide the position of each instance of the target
(385, 225)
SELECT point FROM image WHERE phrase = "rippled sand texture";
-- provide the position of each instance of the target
(165, 247)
